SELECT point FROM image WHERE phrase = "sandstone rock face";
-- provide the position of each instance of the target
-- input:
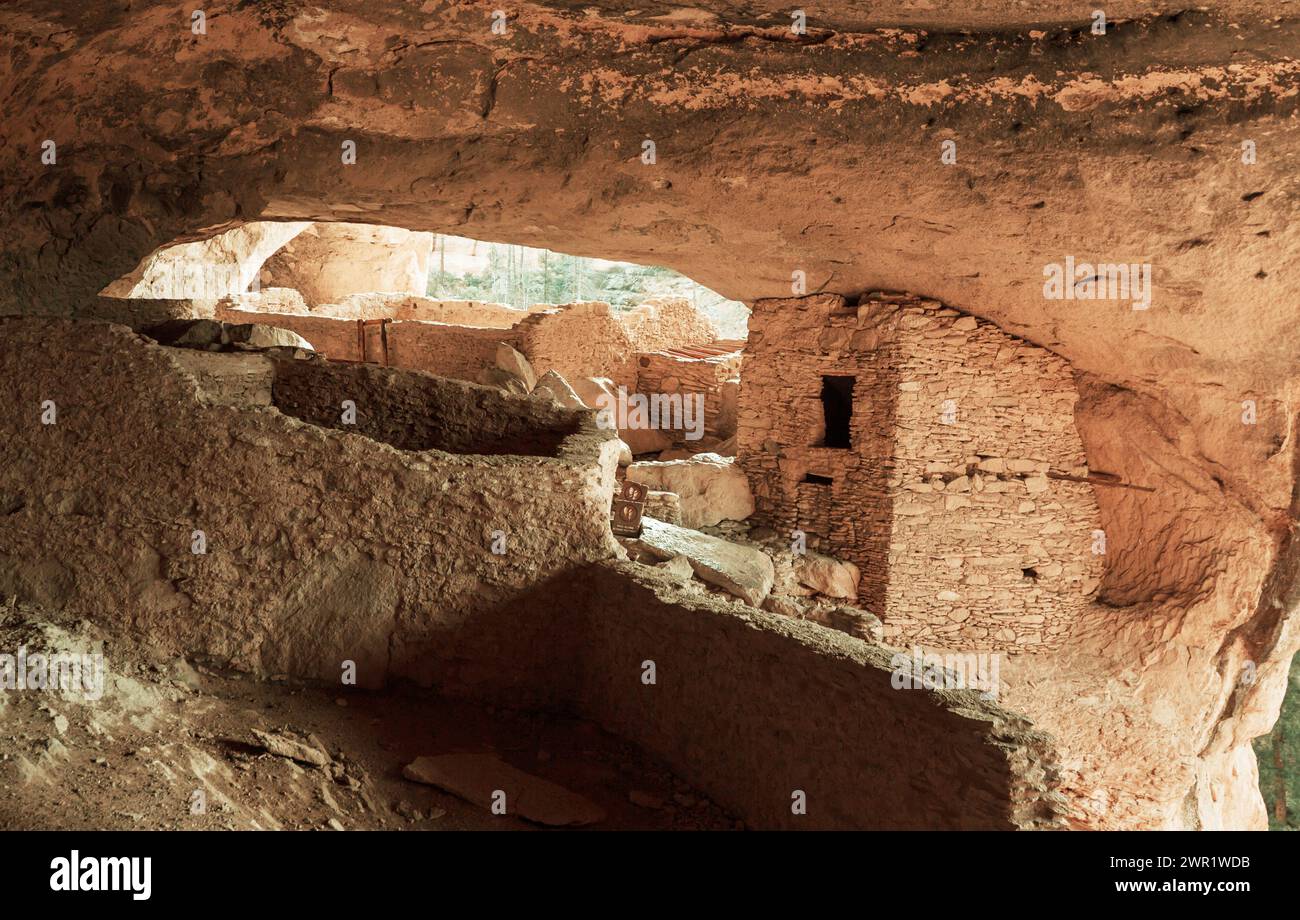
(222, 265)
(327, 262)
(741, 570)
(711, 488)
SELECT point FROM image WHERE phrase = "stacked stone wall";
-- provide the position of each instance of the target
(943, 497)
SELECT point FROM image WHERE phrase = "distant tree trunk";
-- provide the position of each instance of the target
(522, 291)
(510, 274)
(1279, 773)
(546, 276)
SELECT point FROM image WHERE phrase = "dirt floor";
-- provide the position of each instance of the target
(166, 728)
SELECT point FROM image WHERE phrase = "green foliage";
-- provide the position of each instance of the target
(1283, 743)
(518, 278)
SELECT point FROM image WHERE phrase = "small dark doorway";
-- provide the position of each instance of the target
(837, 409)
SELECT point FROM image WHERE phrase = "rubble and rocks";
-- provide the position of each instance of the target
(826, 575)
(515, 364)
(552, 384)
(503, 380)
(743, 571)
(711, 488)
(307, 751)
(213, 335)
(496, 786)
(665, 506)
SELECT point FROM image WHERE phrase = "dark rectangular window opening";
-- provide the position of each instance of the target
(837, 408)
(818, 480)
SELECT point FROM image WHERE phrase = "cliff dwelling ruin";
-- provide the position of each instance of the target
(826, 482)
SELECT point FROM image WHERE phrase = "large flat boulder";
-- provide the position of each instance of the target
(592, 390)
(479, 778)
(711, 488)
(557, 388)
(743, 571)
(261, 335)
(512, 362)
(601, 394)
(826, 575)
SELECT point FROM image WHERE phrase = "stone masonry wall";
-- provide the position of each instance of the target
(579, 340)
(444, 337)
(708, 377)
(424, 309)
(945, 506)
(668, 322)
(780, 429)
(436, 348)
(322, 545)
(986, 547)
(447, 350)
(751, 706)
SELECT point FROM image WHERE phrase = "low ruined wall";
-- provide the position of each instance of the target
(715, 379)
(670, 322)
(322, 546)
(578, 340)
(750, 707)
(420, 412)
(333, 338)
(436, 348)
(461, 313)
(450, 351)
(422, 309)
